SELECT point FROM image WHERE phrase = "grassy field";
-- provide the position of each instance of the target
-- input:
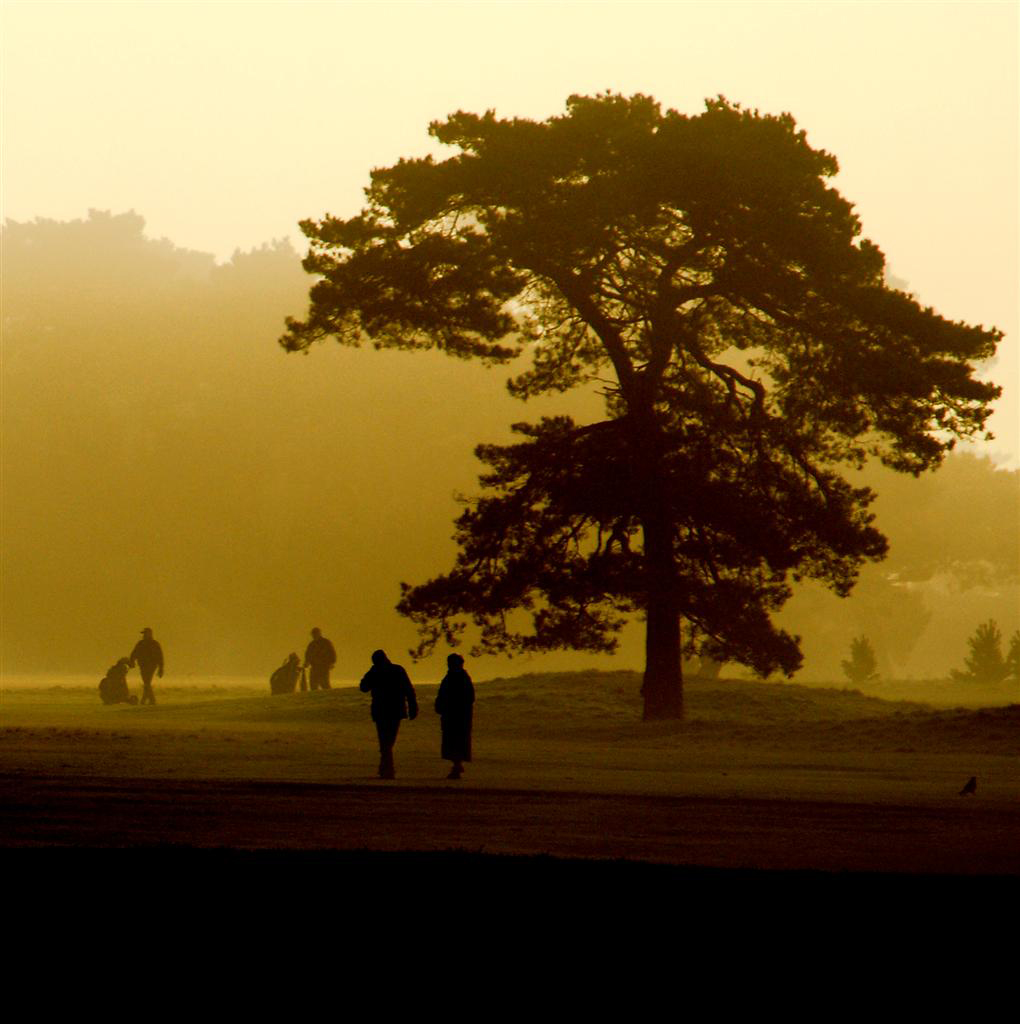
(760, 775)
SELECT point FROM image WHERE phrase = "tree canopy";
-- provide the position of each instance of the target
(705, 276)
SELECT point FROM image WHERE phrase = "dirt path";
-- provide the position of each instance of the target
(65, 811)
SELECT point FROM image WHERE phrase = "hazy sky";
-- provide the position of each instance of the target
(224, 123)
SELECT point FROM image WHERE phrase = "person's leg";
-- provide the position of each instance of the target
(380, 731)
(387, 737)
(148, 697)
(388, 769)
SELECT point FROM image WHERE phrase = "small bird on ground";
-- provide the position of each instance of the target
(970, 786)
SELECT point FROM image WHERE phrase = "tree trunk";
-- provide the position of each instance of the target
(663, 688)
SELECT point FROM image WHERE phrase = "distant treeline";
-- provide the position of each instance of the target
(165, 463)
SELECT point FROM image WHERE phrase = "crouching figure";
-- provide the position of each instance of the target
(113, 687)
(284, 679)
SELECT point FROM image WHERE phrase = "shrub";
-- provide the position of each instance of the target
(862, 666)
(1013, 658)
(985, 664)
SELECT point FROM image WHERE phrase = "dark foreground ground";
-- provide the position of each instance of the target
(256, 883)
(282, 820)
(237, 869)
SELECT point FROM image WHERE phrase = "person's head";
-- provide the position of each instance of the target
(379, 658)
(147, 632)
(123, 662)
(316, 633)
(454, 661)
(293, 657)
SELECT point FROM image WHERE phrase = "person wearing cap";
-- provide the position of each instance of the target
(455, 707)
(320, 657)
(148, 655)
(393, 700)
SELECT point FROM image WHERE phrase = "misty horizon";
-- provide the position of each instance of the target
(131, 423)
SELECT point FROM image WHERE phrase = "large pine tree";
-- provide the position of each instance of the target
(703, 272)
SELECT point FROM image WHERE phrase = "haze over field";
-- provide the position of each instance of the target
(165, 461)
(166, 464)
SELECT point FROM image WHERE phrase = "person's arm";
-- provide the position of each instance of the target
(159, 649)
(366, 682)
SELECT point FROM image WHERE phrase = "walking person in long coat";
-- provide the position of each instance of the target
(393, 699)
(455, 705)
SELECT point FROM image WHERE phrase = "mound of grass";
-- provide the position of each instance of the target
(592, 709)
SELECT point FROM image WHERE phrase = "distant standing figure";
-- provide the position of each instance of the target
(148, 655)
(113, 689)
(284, 679)
(455, 704)
(393, 699)
(320, 657)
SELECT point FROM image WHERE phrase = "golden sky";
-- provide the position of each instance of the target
(224, 123)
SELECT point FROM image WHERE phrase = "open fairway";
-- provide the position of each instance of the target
(759, 776)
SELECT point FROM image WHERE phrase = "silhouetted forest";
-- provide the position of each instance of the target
(166, 464)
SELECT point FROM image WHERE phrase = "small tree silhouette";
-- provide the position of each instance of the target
(862, 666)
(985, 663)
(1013, 657)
